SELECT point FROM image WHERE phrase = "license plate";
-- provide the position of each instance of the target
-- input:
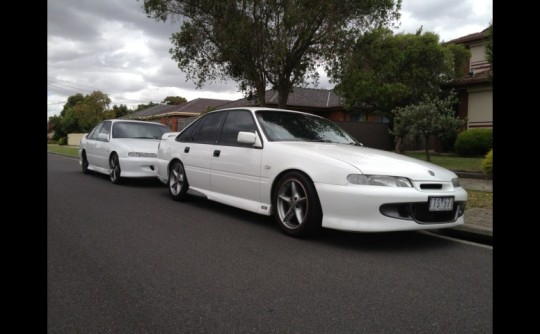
(441, 203)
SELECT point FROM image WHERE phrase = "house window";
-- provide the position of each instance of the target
(184, 121)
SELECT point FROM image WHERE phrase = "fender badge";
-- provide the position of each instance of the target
(431, 173)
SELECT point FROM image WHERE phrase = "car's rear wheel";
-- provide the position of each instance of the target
(84, 163)
(115, 171)
(178, 184)
(297, 210)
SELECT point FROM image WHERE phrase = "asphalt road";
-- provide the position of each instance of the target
(128, 259)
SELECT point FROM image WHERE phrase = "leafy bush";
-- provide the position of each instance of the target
(487, 163)
(474, 142)
(62, 141)
(52, 141)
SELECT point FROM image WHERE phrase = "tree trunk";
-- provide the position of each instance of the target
(399, 145)
(261, 94)
(426, 145)
(283, 94)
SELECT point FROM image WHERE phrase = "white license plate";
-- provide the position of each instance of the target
(441, 203)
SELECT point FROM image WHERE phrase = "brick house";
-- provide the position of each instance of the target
(474, 88)
(179, 116)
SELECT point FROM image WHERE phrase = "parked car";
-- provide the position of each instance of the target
(122, 148)
(308, 172)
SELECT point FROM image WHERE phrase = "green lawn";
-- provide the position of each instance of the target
(451, 162)
(72, 151)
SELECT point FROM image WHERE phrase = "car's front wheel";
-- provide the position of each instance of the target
(114, 166)
(297, 210)
(178, 184)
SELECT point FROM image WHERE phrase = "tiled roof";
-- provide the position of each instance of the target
(477, 36)
(193, 107)
(299, 97)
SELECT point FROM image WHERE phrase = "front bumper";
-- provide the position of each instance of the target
(138, 167)
(360, 208)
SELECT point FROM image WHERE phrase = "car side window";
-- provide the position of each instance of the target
(106, 128)
(96, 131)
(189, 134)
(209, 131)
(236, 121)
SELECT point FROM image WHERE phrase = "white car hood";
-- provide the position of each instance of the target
(377, 162)
(139, 145)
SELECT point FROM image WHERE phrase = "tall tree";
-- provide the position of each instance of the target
(81, 113)
(147, 105)
(174, 100)
(256, 43)
(119, 111)
(388, 71)
(431, 117)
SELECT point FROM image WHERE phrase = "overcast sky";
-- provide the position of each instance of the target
(110, 45)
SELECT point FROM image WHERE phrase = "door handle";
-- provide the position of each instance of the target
(186, 149)
(216, 153)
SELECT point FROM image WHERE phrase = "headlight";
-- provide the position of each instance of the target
(455, 183)
(142, 155)
(379, 180)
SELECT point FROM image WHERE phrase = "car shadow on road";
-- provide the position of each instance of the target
(137, 182)
(410, 241)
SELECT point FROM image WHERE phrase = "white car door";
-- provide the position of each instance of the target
(103, 145)
(91, 153)
(236, 167)
(196, 151)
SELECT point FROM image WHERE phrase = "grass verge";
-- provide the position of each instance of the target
(71, 151)
(450, 162)
(480, 199)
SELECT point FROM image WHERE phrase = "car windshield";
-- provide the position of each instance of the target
(288, 126)
(139, 130)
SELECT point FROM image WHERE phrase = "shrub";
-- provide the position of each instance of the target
(487, 163)
(52, 141)
(62, 141)
(474, 142)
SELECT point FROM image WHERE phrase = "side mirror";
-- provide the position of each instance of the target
(250, 138)
(103, 136)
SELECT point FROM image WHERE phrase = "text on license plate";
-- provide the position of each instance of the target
(441, 203)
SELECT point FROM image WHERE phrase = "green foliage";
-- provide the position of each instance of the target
(119, 111)
(62, 141)
(144, 106)
(259, 42)
(431, 117)
(474, 142)
(174, 100)
(487, 163)
(81, 114)
(388, 71)
(489, 48)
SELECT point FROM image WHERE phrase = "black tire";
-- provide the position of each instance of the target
(297, 210)
(116, 171)
(178, 184)
(84, 163)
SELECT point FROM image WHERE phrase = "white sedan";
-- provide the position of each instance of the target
(121, 148)
(307, 172)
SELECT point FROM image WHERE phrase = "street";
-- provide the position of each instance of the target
(128, 259)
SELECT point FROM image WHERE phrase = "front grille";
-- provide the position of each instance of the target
(430, 186)
(419, 212)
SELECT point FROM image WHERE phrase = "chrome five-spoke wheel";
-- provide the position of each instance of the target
(297, 208)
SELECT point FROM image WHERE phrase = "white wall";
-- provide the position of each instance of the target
(74, 139)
